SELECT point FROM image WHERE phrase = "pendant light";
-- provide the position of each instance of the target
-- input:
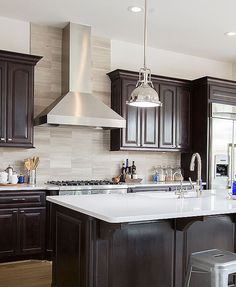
(144, 95)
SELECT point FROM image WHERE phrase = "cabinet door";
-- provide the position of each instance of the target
(20, 104)
(32, 230)
(131, 134)
(8, 232)
(167, 116)
(3, 78)
(150, 122)
(183, 118)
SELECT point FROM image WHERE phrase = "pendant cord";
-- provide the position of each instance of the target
(145, 35)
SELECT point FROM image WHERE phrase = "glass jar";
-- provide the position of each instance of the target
(178, 176)
(169, 174)
(162, 173)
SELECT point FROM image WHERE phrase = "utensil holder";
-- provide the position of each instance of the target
(32, 177)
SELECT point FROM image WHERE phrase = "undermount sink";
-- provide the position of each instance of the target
(171, 195)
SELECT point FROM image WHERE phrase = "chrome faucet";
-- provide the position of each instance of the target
(199, 172)
(181, 192)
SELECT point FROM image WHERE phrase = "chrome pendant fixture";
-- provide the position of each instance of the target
(144, 95)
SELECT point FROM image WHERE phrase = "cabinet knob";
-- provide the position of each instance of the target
(2, 139)
(9, 140)
(22, 211)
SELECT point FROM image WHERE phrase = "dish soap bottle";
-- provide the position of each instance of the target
(234, 186)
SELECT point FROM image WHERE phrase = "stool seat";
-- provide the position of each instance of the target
(214, 258)
(219, 263)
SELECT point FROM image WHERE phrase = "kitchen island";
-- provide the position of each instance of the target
(137, 240)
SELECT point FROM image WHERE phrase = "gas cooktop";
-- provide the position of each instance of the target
(81, 182)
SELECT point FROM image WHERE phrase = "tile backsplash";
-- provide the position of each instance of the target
(75, 152)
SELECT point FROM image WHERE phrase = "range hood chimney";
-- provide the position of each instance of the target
(77, 106)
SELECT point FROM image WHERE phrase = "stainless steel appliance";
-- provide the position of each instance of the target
(80, 187)
(78, 106)
(222, 154)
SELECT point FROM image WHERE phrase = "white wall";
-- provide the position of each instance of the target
(129, 56)
(14, 35)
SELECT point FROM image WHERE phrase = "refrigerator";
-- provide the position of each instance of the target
(222, 154)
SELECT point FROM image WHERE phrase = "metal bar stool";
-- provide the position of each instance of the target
(219, 263)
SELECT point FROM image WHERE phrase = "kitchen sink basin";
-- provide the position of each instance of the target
(172, 195)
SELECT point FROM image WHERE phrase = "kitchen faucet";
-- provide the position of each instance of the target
(196, 156)
(181, 192)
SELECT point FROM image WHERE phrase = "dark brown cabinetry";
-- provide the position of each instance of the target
(151, 129)
(17, 98)
(8, 231)
(167, 116)
(32, 230)
(3, 77)
(205, 91)
(152, 253)
(183, 117)
(131, 134)
(22, 225)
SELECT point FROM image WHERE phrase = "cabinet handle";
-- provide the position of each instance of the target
(2, 139)
(18, 199)
(9, 140)
(22, 211)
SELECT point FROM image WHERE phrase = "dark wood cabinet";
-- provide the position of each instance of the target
(150, 130)
(167, 116)
(8, 232)
(22, 225)
(183, 117)
(131, 134)
(163, 128)
(205, 91)
(20, 103)
(148, 253)
(3, 77)
(32, 230)
(16, 99)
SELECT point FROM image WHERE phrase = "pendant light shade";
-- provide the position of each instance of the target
(144, 95)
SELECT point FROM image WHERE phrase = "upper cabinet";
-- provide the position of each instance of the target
(17, 99)
(167, 116)
(154, 129)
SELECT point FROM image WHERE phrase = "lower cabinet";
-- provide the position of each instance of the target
(22, 232)
(22, 225)
(8, 232)
(149, 253)
(32, 230)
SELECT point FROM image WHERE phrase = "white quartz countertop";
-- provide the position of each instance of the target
(120, 208)
(28, 187)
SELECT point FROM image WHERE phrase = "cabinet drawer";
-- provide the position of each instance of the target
(20, 199)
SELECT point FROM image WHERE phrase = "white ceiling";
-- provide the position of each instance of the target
(194, 27)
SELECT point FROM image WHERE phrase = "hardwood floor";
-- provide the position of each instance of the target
(26, 274)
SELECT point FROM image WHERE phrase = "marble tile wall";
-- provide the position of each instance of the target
(75, 152)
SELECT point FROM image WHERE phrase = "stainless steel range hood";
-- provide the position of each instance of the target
(78, 106)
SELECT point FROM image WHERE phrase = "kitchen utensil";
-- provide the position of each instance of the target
(27, 164)
(32, 177)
